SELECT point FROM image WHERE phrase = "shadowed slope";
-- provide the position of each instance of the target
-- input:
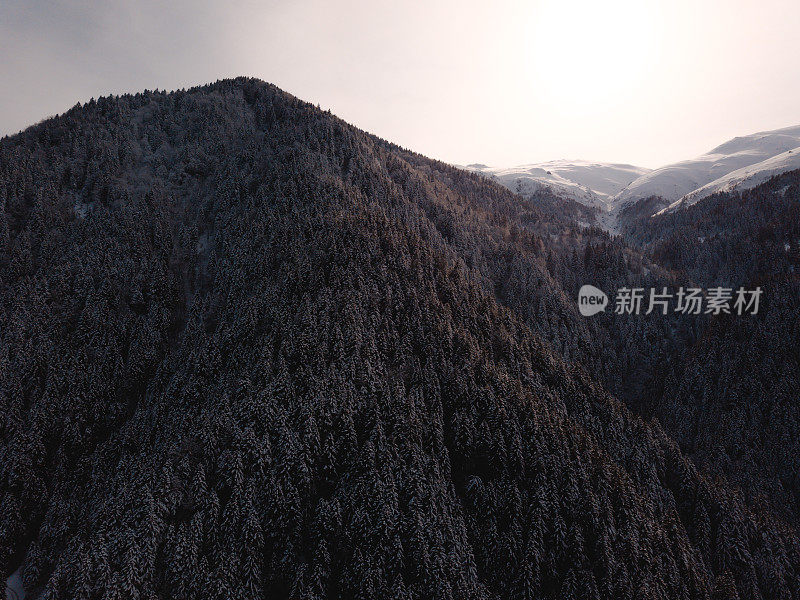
(243, 357)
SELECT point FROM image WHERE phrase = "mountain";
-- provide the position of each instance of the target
(249, 350)
(743, 179)
(730, 398)
(738, 164)
(590, 183)
(678, 180)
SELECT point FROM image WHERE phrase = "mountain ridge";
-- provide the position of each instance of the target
(737, 164)
(589, 182)
(687, 178)
(253, 349)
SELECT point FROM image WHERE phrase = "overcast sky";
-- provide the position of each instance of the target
(504, 83)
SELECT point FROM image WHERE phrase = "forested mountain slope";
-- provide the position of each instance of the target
(251, 351)
(732, 399)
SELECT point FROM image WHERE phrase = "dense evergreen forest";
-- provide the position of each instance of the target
(250, 351)
(731, 400)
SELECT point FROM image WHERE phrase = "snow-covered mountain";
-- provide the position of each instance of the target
(743, 179)
(738, 164)
(738, 158)
(590, 183)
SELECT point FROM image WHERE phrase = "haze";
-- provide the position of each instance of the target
(501, 83)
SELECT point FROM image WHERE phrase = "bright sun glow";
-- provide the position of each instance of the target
(585, 53)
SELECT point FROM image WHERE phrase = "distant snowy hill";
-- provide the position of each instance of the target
(688, 177)
(744, 178)
(590, 183)
(738, 164)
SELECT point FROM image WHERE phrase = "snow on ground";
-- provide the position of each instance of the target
(609, 220)
(743, 179)
(675, 181)
(741, 163)
(590, 183)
